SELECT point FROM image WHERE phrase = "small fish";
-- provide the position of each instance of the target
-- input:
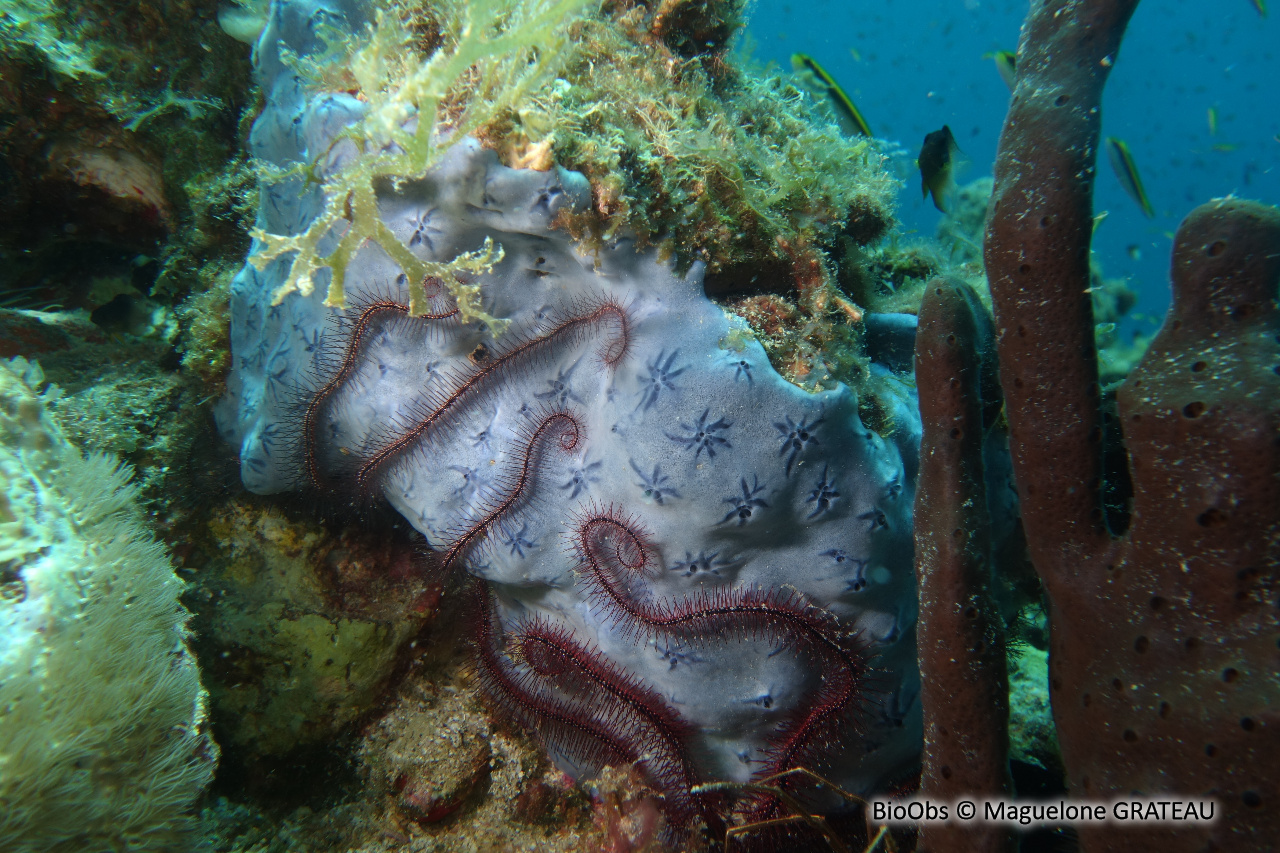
(937, 156)
(1007, 64)
(1225, 147)
(850, 119)
(857, 57)
(1098, 219)
(1134, 251)
(1261, 6)
(1127, 173)
(1213, 121)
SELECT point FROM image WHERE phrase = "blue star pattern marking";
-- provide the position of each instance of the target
(858, 581)
(877, 519)
(662, 374)
(702, 436)
(581, 478)
(703, 564)
(545, 199)
(519, 542)
(267, 438)
(422, 230)
(656, 486)
(251, 403)
(893, 488)
(314, 343)
(796, 437)
(409, 489)
(741, 369)
(484, 438)
(430, 371)
(473, 482)
(823, 494)
(676, 654)
(278, 368)
(745, 505)
(558, 390)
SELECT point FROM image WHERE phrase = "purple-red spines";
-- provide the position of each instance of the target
(335, 367)
(556, 719)
(626, 705)
(614, 559)
(619, 722)
(600, 531)
(613, 555)
(517, 354)
(810, 736)
(346, 367)
(615, 350)
(561, 428)
(555, 654)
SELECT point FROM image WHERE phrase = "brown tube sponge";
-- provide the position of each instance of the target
(1165, 642)
(964, 681)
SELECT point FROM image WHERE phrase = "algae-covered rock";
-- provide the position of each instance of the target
(1032, 738)
(435, 774)
(103, 737)
(305, 627)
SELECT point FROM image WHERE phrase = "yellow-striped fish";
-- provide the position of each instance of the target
(1007, 64)
(1127, 173)
(1098, 219)
(851, 120)
(1213, 121)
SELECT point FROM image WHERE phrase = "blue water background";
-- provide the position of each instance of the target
(920, 65)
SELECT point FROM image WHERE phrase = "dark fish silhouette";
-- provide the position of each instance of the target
(937, 156)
